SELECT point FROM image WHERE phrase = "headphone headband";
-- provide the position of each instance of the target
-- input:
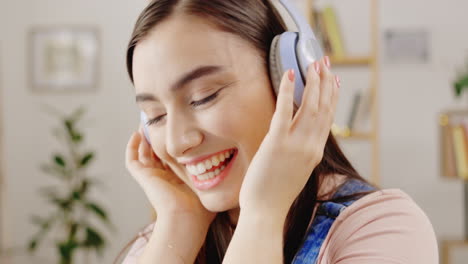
(308, 49)
(302, 26)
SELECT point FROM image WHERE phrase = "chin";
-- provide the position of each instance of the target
(218, 202)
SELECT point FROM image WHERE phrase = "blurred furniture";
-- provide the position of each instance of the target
(371, 61)
(453, 157)
(447, 246)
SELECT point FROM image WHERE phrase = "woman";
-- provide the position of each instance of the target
(234, 173)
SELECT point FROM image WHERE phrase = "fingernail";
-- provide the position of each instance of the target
(327, 61)
(291, 75)
(317, 67)
(338, 82)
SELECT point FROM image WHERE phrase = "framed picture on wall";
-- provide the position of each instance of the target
(63, 58)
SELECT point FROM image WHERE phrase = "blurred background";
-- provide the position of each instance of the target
(67, 110)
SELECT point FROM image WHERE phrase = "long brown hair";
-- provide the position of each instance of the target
(257, 22)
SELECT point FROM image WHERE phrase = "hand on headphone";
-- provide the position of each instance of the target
(294, 145)
(169, 196)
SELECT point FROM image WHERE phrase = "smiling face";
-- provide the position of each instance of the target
(208, 97)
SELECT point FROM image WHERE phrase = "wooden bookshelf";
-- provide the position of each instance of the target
(355, 136)
(446, 247)
(351, 61)
(372, 62)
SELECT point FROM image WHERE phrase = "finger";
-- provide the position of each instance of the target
(285, 102)
(136, 167)
(335, 94)
(146, 154)
(327, 85)
(131, 152)
(310, 98)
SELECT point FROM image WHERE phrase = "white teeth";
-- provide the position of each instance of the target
(202, 167)
(215, 161)
(221, 157)
(211, 174)
(208, 164)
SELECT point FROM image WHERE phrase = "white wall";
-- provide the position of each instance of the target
(411, 96)
(112, 115)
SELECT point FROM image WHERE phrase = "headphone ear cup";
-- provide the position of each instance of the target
(282, 58)
(275, 72)
(144, 122)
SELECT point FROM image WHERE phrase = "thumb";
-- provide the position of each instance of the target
(285, 102)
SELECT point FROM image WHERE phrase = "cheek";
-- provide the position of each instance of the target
(245, 119)
(159, 148)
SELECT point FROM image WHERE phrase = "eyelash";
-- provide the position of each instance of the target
(195, 104)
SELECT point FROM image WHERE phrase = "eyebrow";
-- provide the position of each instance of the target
(197, 73)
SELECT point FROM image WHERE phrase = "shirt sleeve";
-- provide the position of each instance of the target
(385, 227)
(139, 245)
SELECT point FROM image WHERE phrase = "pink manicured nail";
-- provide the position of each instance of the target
(327, 61)
(338, 82)
(291, 75)
(317, 67)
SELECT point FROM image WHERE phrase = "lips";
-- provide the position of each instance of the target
(212, 178)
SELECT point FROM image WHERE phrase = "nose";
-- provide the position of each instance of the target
(182, 135)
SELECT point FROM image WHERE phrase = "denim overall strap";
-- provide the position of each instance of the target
(326, 214)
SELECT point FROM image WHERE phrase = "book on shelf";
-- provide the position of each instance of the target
(354, 107)
(359, 114)
(459, 144)
(454, 147)
(320, 31)
(327, 30)
(447, 153)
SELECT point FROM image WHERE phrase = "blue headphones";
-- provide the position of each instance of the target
(290, 50)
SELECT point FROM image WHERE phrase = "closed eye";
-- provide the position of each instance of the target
(194, 104)
(205, 100)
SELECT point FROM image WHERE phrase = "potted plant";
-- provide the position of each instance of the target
(69, 223)
(461, 82)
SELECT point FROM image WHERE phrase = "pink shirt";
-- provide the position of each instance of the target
(384, 227)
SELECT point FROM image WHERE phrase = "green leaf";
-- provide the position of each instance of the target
(68, 126)
(55, 170)
(64, 204)
(44, 225)
(73, 229)
(77, 137)
(32, 246)
(460, 85)
(59, 160)
(66, 250)
(76, 195)
(84, 186)
(97, 210)
(88, 157)
(93, 239)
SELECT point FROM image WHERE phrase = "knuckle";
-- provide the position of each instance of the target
(328, 75)
(312, 74)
